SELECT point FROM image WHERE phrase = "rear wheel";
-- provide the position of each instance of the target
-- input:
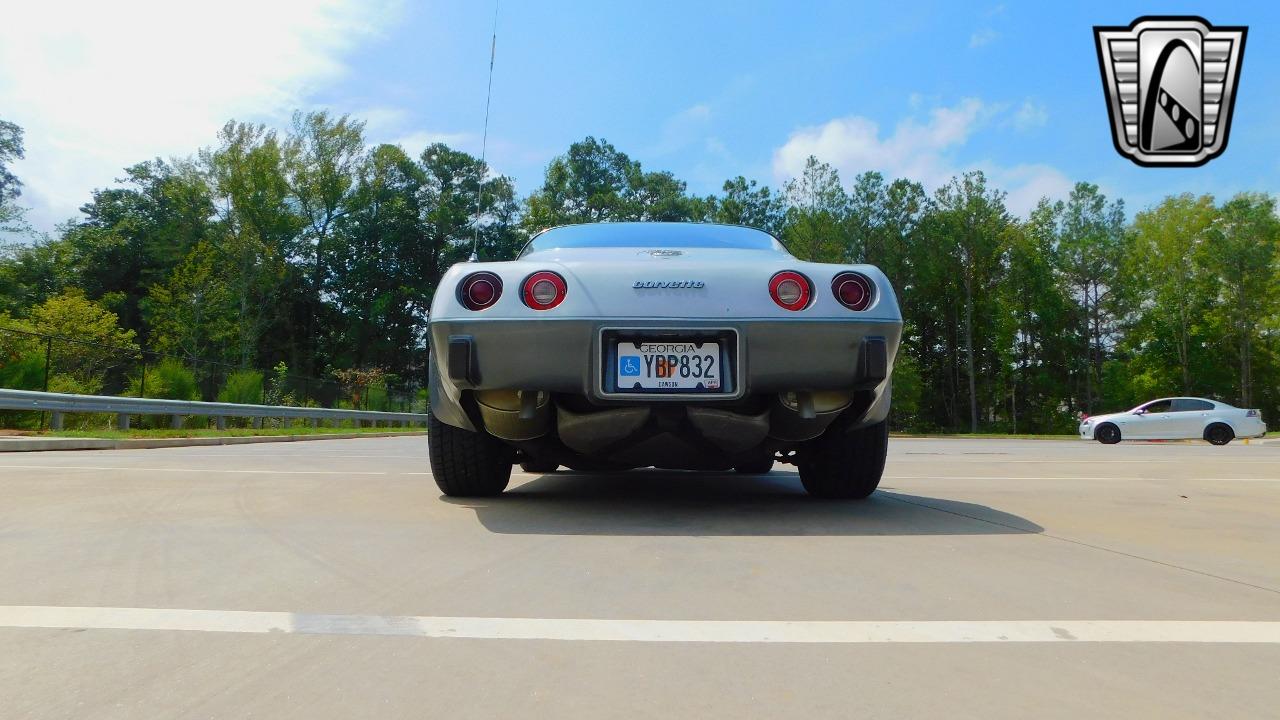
(466, 463)
(1219, 434)
(1107, 434)
(840, 464)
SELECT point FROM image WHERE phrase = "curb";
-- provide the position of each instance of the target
(36, 444)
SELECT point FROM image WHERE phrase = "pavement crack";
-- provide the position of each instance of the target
(1081, 543)
(1174, 566)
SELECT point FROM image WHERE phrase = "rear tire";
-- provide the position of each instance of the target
(466, 463)
(842, 465)
(539, 466)
(1107, 434)
(1219, 434)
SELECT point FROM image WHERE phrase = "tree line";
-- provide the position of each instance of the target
(312, 249)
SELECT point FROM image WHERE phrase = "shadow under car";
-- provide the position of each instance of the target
(660, 502)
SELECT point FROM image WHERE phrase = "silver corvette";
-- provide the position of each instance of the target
(675, 345)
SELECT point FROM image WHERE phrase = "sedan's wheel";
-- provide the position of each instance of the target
(1219, 434)
(840, 464)
(466, 463)
(1107, 434)
(534, 465)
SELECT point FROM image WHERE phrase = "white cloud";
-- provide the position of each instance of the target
(853, 144)
(683, 129)
(1026, 184)
(396, 126)
(921, 151)
(101, 85)
(1030, 115)
(985, 36)
(381, 122)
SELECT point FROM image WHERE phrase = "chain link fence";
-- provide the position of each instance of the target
(36, 361)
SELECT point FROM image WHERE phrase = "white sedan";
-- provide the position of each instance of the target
(1180, 418)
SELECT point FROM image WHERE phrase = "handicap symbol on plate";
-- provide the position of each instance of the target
(629, 365)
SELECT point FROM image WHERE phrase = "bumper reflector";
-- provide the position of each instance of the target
(873, 361)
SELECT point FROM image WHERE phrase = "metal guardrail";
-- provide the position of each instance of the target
(58, 404)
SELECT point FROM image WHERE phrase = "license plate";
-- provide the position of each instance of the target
(669, 365)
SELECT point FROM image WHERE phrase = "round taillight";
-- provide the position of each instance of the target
(790, 290)
(544, 290)
(853, 290)
(478, 291)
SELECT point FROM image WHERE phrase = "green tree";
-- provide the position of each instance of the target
(31, 274)
(595, 182)
(94, 341)
(452, 183)
(383, 268)
(242, 386)
(255, 227)
(320, 160)
(1241, 252)
(11, 148)
(816, 214)
(972, 227)
(168, 379)
(132, 236)
(1090, 244)
(589, 183)
(746, 203)
(1173, 290)
(1047, 332)
(195, 312)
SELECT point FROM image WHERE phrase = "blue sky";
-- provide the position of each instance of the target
(706, 90)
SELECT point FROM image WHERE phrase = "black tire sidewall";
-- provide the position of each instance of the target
(1107, 434)
(1219, 434)
(845, 464)
(466, 463)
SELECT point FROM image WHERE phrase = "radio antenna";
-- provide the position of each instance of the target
(484, 142)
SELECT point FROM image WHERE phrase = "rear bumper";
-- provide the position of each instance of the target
(565, 356)
(1251, 429)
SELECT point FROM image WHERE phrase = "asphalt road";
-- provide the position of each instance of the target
(330, 580)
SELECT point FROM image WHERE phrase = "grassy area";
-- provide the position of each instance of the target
(229, 432)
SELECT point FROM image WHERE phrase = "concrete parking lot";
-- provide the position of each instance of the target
(330, 580)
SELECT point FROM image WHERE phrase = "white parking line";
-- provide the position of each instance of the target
(944, 476)
(198, 470)
(951, 459)
(702, 631)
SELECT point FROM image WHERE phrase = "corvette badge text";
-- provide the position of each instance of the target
(672, 285)
(1170, 84)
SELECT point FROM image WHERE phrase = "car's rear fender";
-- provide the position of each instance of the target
(1241, 424)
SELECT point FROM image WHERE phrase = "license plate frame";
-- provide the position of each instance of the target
(725, 341)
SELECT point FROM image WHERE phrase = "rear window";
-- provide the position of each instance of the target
(1188, 405)
(654, 235)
